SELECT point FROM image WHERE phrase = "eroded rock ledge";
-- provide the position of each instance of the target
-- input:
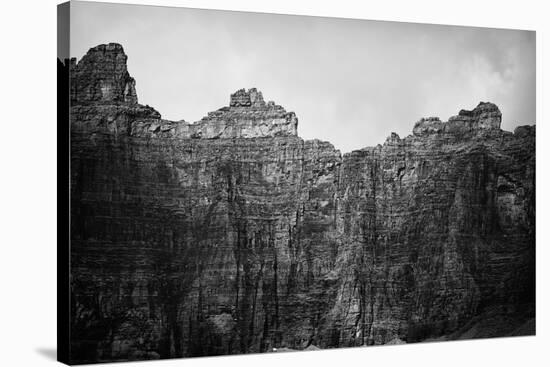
(247, 116)
(484, 117)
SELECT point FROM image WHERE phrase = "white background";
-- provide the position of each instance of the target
(28, 183)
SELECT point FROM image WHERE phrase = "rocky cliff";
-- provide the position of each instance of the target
(234, 235)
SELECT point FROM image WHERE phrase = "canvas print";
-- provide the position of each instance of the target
(236, 183)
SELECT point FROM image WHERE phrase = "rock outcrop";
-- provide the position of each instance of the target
(247, 116)
(234, 235)
(485, 116)
(102, 77)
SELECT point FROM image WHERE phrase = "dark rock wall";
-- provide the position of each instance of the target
(219, 246)
(436, 230)
(190, 246)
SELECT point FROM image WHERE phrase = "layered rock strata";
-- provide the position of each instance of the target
(234, 235)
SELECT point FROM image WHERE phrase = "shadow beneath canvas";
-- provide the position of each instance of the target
(50, 353)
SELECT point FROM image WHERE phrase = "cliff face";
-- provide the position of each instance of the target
(234, 235)
(437, 229)
(103, 77)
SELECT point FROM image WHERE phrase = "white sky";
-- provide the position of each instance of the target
(350, 82)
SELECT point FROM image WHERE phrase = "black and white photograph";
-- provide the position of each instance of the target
(274, 183)
(259, 183)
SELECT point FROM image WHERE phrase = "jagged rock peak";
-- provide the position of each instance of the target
(111, 47)
(101, 76)
(484, 117)
(244, 98)
(393, 138)
(247, 116)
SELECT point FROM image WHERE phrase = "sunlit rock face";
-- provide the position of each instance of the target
(234, 235)
(247, 116)
(485, 116)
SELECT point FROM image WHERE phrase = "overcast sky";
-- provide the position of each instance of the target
(351, 82)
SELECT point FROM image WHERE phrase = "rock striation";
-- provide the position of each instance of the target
(485, 116)
(247, 116)
(102, 77)
(234, 235)
(103, 96)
